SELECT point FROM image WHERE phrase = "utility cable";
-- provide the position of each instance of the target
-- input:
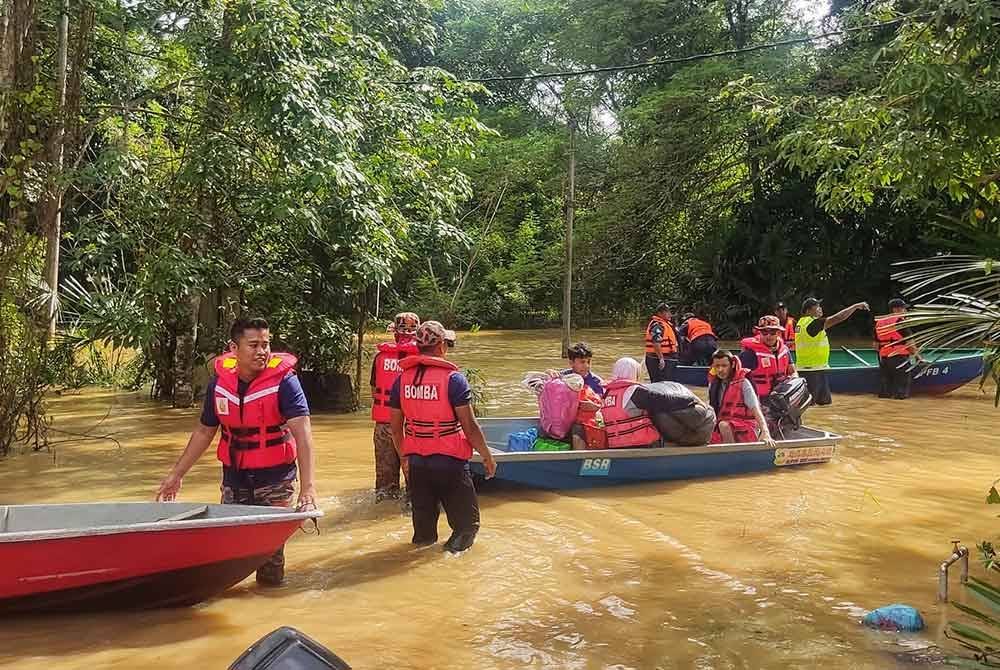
(672, 61)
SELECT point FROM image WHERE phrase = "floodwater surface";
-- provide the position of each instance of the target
(769, 570)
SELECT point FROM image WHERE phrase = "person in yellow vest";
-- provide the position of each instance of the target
(894, 353)
(812, 347)
(435, 430)
(661, 345)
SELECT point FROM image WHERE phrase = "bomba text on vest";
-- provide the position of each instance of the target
(422, 392)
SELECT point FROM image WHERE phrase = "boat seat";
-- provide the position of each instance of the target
(184, 516)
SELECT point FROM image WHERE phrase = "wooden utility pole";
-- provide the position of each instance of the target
(53, 205)
(570, 211)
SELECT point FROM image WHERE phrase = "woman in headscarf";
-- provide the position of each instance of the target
(626, 424)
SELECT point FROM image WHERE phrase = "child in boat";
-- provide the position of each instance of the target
(735, 402)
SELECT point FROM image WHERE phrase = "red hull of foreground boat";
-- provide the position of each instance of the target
(109, 569)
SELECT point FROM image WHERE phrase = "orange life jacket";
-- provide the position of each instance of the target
(772, 367)
(254, 434)
(890, 340)
(789, 334)
(697, 328)
(431, 426)
(622, 429)
(668, 345)
(387, 371)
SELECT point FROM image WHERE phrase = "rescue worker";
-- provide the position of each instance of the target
(788, 323)
(894, 353)
(385, 372)
(266, 431)
(765, 357)
(701, 340)
(435, 430)
(661, 345)
(734, 399)
(626, 424)
(812, 347)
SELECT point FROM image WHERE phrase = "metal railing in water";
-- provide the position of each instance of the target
(958, 553)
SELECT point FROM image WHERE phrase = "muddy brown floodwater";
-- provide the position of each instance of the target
(757, 571)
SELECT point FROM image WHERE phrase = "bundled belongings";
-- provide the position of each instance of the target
(786, 404)
(678, 414)
(567, 408)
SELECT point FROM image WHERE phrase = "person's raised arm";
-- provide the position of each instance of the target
(474, 434)
(199, 441)
(301, 427)
(845, 314)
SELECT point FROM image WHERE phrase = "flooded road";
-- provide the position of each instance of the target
(757, 571)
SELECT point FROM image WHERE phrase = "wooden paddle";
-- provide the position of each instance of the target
(863, 361)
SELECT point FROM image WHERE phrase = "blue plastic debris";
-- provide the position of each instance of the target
(894, 617)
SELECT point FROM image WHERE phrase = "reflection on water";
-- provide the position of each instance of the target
(760, 571)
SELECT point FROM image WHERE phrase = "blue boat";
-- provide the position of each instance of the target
(856, 371)
(612, 467)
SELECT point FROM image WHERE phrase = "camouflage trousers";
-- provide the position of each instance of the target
(387, 464)
(271, 573)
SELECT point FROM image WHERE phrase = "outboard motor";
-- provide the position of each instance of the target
(786, 404)
(288, 649)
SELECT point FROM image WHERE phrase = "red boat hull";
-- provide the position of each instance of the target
(134, 569)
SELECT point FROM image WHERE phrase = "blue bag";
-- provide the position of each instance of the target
(894, 617)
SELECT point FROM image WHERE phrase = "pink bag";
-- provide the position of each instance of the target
(557, 406)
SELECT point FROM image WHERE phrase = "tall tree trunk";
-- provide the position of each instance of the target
(184, 355)
(362, 321)
(208, 209)
(570, 212)
(52, 207)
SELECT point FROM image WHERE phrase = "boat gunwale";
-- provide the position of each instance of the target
(827, 438)
(150, 526)
(857, 366)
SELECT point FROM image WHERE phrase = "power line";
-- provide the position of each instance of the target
(672, 61)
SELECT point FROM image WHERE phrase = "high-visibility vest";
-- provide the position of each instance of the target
(811, 353)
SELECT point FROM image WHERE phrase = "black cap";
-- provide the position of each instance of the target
(897, 302)
(810, 302)
(662, 307)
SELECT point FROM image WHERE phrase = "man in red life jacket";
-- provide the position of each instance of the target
(266, 432)
(385, 372)
(435, 430)
(894, 353)
(735, 402)
(785, 319)
(765, 357)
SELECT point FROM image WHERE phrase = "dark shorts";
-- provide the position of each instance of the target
(896, 377)
(818, 382)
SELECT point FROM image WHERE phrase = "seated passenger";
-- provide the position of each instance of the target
(626, 424)
(700, 340)
(735, 402)
(765, 357)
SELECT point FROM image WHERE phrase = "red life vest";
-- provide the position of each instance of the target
(789, 334)
(622, 429)
(733, 407)
(387, 371)
(668, 345)
(431, 426)
(697, 328)
(890, 340)
(254, 434)
(771, 367)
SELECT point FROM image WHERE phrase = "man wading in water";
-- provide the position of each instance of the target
(434, 430)
(257, 399)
